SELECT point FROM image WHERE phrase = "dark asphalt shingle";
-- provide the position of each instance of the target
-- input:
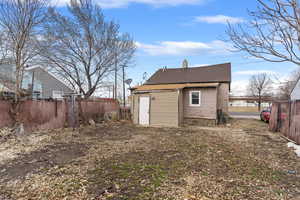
(207, 74)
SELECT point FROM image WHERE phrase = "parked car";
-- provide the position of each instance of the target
(265, 115)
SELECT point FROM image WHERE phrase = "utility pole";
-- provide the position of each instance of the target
(109, 87)
(116, 81)
(113, 91)
(124, 95)
(32, 84)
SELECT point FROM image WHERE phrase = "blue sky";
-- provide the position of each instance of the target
(169, 31)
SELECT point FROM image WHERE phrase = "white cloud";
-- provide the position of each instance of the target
(198, 65)
(124, 3)
(185, 48)
(219, 19)
(239, 88)
(253, 72)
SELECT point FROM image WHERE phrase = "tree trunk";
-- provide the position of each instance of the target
(82, 119)
(18, 127)
(259, 103)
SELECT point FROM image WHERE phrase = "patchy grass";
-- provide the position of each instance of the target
(243, 109)
(119, 161)
(126, 180)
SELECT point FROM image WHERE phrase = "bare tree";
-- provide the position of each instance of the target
(273, 34)
(3, 48)
(260, 85)
(82, 48)
(288, 85)
(20, 21)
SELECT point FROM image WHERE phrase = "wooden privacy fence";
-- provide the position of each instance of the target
(285, 117)
(125, 113)
(43, 114)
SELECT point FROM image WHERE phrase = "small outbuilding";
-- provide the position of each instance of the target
(183, 96)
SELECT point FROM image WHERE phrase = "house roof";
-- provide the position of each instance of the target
(38, 68)
(295, 84)
(173, 86)
(207, 74)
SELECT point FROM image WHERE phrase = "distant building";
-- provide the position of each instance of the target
(295, 94)
(180, 96)
(48, 85)
(249, 101)
(36, 81)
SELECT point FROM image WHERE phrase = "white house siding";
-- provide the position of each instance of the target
(295, 95)
(7, 71)
(7, 74)
(49, 83)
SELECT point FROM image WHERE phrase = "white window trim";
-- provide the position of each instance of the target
(195, 105)
(57, 91)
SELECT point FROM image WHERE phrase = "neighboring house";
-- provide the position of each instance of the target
(6, 77)
(295, 94)
(48, 84)
(6, 85)
(249, 101)
(178, 96)
(36, 82)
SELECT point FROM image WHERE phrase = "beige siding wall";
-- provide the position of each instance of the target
(164, 109)
(181, 107)
(223, 97)
(135, 102)
(208, 108)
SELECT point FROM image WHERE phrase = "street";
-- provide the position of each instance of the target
(245, 115)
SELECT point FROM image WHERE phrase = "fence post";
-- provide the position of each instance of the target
(82, 119)
(67, 110)
(278, 128)
(56, 112)
(297, 130)
(289, 115)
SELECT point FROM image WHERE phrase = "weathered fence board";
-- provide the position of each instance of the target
(285, 117)
(273, 123)
(125, 113)
(294, 133)
(43, 114)
(5, 118)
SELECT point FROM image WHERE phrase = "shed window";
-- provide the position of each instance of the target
(195, 98)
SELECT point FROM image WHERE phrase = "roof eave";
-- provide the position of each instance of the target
(169, 83)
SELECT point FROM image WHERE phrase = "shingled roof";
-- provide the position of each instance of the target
(208, 74)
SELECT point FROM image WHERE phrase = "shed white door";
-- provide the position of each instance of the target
(144, 110)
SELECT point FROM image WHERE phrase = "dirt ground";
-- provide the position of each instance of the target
(119, 161)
